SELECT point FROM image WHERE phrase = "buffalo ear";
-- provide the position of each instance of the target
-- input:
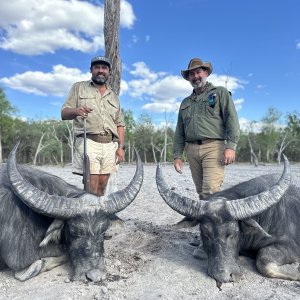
(53, 233)
(251, 226)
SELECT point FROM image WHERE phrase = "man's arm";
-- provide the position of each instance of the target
(178, 144)
(120, 151)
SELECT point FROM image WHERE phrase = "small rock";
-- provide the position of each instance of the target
(104, 290)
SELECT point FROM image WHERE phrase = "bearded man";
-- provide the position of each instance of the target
(208, 130)
(94, 101)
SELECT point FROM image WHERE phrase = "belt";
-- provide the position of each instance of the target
(205, 141)
(99, 138)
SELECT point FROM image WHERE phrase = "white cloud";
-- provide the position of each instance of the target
(134, 39)
(238, 103)
(127, 16)
(159, 91)
(141, 70)
(298, 45)
(162, 106)
(56, 83)
(231, 83)
(250, 126)
(35, 27)
(164, 92)
(124, 87)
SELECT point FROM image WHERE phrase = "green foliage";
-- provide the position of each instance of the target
(143, 135)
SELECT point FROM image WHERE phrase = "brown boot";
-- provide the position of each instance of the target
(186, 222)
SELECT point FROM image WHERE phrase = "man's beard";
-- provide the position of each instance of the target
(199, 84)
(99, 79)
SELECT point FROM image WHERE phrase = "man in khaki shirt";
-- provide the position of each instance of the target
(94, 101)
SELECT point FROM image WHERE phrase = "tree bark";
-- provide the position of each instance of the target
(1, 158)
(111, 40)
(253, 157)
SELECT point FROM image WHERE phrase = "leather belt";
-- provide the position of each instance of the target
(206, 141)
(99, 138)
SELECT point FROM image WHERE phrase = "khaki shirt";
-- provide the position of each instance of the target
(209, 115)
(106, 113)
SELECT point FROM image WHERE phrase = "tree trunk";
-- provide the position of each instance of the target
(129, 151)
(253, 157)
(39, 148)
(1, 158)
(111, 40)
(71, 137)
(153, 153)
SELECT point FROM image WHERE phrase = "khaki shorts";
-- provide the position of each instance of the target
(102, 156)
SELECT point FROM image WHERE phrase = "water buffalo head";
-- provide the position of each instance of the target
(220, 218)
(80, 218)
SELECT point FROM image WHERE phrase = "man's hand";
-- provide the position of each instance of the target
(83, 111)
(120, 155)
(178, 164)
(228, 157)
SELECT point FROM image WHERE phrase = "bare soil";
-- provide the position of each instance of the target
(149, 259)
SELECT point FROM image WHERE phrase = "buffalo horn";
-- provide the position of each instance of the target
(183, 205)
(63, 207)
(250, 206)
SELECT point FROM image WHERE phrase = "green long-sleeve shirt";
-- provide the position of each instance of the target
(209, 115)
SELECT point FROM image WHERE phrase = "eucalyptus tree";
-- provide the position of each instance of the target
(143, 135)
(129, 133)
(270, 133)
(6, 111)
(290, 138)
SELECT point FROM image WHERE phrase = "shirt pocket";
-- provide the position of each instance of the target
(87, 100)
(112, 108)
(186, 112)
(207, 109)
(210, 105)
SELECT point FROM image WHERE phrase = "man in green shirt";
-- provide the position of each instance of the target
(94, 101)
(207, 129)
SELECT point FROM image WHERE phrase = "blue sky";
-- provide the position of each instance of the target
(253, 45)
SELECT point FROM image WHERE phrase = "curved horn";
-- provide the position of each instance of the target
(64, 207)
(183, 205)
(253, 205)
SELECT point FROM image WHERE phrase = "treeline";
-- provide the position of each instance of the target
(51, 141)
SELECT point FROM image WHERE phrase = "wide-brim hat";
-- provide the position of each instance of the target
(101, 60)
(196, 63)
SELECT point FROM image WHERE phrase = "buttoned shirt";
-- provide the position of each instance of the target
(209, 115)
(106, 114)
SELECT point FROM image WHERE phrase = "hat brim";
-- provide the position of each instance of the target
(185, 73)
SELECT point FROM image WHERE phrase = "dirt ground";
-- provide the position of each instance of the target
(149, 259)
